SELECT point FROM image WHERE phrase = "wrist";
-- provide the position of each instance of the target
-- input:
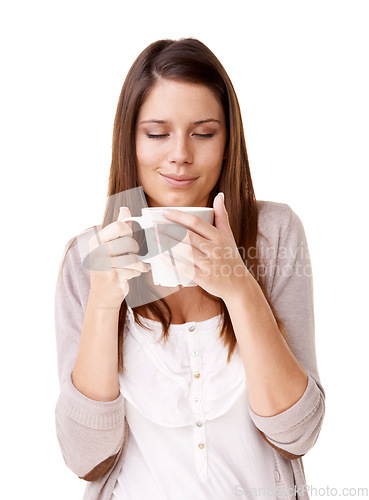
(241, 288)
(99, 303)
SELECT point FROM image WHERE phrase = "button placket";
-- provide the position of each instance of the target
(196, 401)
(200, 450)
(195, 392)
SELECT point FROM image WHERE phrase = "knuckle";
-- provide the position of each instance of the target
(195, 221)
(123, 227)
(219, 240)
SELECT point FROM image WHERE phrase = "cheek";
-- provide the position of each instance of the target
(144, 158)
(147, 156)
(213, 158)
(140, 154)
(215, 148)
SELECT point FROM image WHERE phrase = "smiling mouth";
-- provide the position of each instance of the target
(178, 182)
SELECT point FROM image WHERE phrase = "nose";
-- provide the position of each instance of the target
(180, 151)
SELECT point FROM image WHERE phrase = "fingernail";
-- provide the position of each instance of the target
(222, 196)
(121, 216)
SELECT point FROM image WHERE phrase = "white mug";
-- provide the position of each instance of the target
(162, 274)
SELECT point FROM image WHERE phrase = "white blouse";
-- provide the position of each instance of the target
(191, 435)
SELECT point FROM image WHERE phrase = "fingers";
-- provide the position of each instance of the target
(111, 232)
(129, 261)
(114, 230)
(192, 221)
(113, 248)
(101, 257)
(182, 249)
(127, 274)
(123, 213)
(124, 275)
(121, 246)
(99, 261)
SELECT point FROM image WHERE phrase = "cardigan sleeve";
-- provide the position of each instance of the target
(90, 433)
(294, 431)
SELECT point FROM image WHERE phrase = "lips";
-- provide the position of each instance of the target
(178, 181)
(179, 177)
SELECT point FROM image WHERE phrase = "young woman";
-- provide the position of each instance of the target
(212, 391)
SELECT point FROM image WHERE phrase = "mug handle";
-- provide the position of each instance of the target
(144, 258)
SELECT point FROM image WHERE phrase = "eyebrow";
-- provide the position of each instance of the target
(199, 122)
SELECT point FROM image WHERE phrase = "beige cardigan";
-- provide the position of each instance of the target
(93, 434)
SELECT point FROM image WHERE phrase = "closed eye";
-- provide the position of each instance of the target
(160, 136)
(204, 135)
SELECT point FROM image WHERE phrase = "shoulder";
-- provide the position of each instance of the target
(273, 213)
(77, 247)
(275, 219)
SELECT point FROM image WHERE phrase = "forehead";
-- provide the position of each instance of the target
(176, 98)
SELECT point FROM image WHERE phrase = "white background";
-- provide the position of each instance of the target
(300, 70)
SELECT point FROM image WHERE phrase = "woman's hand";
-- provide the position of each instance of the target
(112, 263)
(213, 260)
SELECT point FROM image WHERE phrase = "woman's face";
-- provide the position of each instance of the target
(180, 131)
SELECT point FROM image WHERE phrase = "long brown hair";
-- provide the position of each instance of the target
(186, 60)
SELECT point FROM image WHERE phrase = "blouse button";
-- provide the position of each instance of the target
(201, 446)
(195, 352)
(191, 328)
(277, 475)
(196, 400)
(199, 424)
(196, 375)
